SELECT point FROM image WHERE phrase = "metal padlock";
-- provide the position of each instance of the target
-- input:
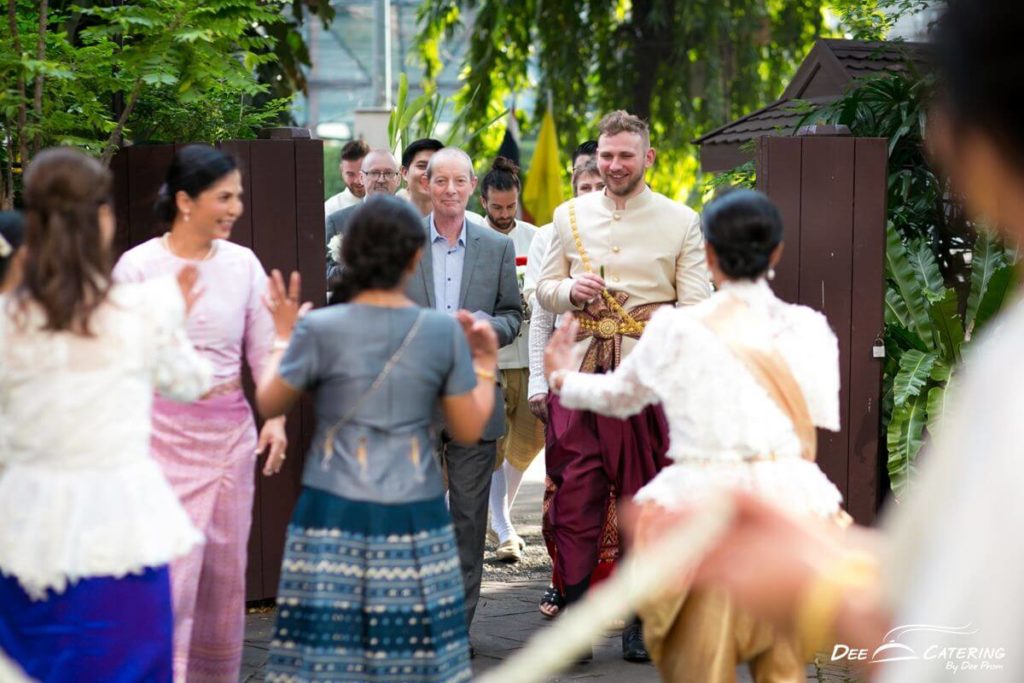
(878, 349)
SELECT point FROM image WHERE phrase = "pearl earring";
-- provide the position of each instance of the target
(771, 273)
(187, 216)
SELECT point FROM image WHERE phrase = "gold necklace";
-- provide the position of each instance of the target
(207, 257)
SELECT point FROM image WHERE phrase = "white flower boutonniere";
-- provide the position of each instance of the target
(334, 249)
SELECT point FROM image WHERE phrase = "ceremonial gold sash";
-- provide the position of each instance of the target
(769, 369)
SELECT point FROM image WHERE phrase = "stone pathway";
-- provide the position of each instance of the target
(507, 615)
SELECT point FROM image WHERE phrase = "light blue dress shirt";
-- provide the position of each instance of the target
(447, 265)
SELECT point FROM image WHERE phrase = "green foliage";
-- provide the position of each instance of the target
(420, 118)
(685, 65)
(153, 70)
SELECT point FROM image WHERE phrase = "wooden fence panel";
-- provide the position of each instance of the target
(831, 191)
(865, 473)
(826, 264)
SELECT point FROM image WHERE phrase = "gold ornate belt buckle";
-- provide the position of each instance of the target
(607, 328)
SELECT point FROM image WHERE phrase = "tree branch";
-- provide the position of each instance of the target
(115, 135)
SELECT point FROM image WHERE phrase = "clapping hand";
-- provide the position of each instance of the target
(482, 339)
(283, 303)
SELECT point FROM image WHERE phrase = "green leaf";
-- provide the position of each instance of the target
(1000, 285)
(936, 406)
(909, 286)
(922, 260)
(904, 439)
(914, 373)
(949, 329)
(987, 258)
(896, 311)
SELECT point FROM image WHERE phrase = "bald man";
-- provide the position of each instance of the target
(379, 174)
(467, 265)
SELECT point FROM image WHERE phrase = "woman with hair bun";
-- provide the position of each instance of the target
(88, 523)
(744, 379)
(370, 585)
(208, 448)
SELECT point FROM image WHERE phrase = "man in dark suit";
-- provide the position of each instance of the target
(466, 265)
(379, 175)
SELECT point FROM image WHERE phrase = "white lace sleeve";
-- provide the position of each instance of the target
(630, 388)
(542, 322)
(823, 397)
(177, 370)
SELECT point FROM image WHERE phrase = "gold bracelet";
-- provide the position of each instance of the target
(485, 374)
(819, 605)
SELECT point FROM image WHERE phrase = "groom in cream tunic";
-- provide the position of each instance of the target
(615, 257)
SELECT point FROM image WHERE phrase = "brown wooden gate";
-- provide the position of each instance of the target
(832, 194)
(284, 225)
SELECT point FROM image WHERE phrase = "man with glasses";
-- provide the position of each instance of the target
(467, 265)
(379, 175)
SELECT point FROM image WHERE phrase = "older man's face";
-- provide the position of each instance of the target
(380, 174)
(450, 184)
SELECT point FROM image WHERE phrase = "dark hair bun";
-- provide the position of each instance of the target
(194, 170)
(505, 164)
(380, 240)
(743, 227)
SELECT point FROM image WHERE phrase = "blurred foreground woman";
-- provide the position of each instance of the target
(88, 524)
(937, 595)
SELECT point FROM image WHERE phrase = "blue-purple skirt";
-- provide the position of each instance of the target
(103, 629)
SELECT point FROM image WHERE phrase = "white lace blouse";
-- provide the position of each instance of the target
(725, 430)
(80, 495)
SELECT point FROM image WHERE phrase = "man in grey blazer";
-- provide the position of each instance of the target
(467, 265)
(379, 175)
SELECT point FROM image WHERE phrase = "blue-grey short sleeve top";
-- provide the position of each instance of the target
(385, 452)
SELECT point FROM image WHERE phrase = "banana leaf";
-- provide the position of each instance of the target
(922, 260)
(913, 376)
(988, 258)
(896, 311)
(908, 285)
(904, 439)
(1002, 283)
(936, 406)
(949, 330)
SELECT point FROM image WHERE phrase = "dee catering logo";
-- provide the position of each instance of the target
(953, 658)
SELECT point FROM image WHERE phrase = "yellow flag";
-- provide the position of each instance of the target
(543, 191)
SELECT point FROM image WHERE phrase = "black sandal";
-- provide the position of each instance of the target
(552, 598)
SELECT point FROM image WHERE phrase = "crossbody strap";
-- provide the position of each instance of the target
(385, 371)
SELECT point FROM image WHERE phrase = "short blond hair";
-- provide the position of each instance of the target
(621, 121)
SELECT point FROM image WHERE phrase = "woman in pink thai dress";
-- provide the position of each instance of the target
(208, 448)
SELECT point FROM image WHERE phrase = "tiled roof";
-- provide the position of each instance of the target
(835, 63)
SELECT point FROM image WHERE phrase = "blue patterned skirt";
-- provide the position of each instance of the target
(105, 629)
(369, 592)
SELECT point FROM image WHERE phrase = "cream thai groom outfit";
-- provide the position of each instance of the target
(478, 273)
(650, 254)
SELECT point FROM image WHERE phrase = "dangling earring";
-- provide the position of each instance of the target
(771, 273)
(187, 214)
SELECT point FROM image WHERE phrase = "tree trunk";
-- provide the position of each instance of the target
(647, 53)
(19, 130)
(37, 100)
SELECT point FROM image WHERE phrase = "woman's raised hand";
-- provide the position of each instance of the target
(283, 303)
(561, 353)
(483, 340)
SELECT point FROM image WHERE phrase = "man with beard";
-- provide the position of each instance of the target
(352, 155)
(378, 175)
(524, 433)
(615, 257)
